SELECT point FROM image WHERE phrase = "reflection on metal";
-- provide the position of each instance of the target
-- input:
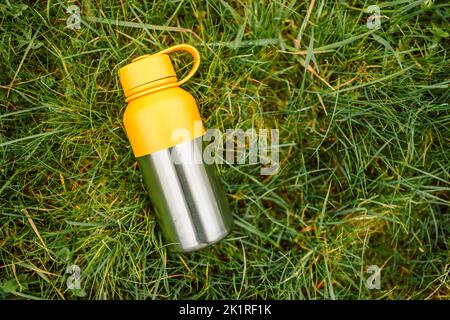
(190, 203)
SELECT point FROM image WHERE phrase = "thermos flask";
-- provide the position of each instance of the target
(164, 128)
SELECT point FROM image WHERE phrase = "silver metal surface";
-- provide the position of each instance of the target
(190, 203)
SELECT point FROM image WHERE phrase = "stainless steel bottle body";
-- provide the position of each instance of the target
(190, 203)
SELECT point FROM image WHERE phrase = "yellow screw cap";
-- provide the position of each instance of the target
(144, 70)
(156, 70)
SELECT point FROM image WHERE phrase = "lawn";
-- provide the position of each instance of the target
(364, 163)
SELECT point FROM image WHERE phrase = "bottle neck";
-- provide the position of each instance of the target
(150, 87)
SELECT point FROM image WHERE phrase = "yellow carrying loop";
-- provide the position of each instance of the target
(189, 49)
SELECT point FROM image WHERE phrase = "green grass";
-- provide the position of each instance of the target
(364, 173)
